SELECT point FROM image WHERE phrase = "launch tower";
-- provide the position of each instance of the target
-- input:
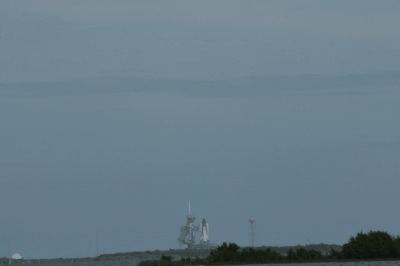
(187, 235)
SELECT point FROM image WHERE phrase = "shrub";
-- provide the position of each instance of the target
(198, 260)
(291, 255)
(225, 252)
(187, 260)
(301, 254)
(314, 254)
(166, 258)
(272, 254)
(396, 246)
(336, 254)
(370, 246)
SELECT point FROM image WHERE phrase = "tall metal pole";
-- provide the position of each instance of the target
(9, 251)
(252, 234)
(97, 244)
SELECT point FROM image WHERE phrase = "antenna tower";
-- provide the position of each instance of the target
(252, 236)
(97, 244)
(9, 251)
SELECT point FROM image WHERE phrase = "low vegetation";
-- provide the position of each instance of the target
(376, 245)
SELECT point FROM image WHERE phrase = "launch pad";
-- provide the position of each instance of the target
(187, 235)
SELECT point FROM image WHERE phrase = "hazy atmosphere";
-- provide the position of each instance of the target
(114, 114)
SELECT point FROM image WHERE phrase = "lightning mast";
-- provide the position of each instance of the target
(252, 228)
(9, 251)
(97, 244)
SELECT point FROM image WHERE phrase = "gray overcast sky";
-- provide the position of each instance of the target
(115, 113)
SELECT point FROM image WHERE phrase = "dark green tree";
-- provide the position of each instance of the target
(396, 245)
(272, 254)
(225, 252)
(187, 260)
(336, 254)
(314, 254)
(291, 255)
(302, 254)
(373, 245)
(166, 258)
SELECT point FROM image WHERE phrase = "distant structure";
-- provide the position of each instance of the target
(16, 256)
(9, 249)
(252, 230)
(187, 235)
(205, 234)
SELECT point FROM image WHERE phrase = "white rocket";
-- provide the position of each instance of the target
(205, 233)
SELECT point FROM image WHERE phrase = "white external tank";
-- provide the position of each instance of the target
(205, 237)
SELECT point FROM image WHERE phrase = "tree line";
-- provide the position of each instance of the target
(365, 246)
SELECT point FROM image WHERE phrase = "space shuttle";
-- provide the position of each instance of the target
(205, 233)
